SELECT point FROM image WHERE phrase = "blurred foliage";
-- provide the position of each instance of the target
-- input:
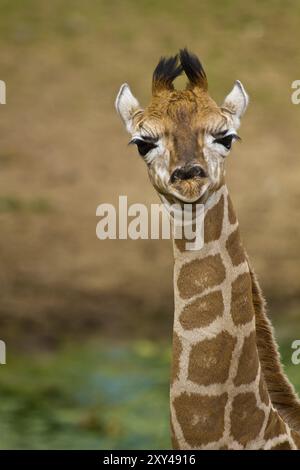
(92, 396)
(89, 396)
(16, 204)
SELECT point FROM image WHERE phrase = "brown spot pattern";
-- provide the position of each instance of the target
(200, 274)
(242, 310)
(246, 418)
(202, 311)
(283, 446)
(296, 438)
(177, 350)
(213, 222)
(248, 363)
(263, 392)
(235, 248)
(210, 359)
(275, 426)
(231, 213)
(181, 243)
(201, 417)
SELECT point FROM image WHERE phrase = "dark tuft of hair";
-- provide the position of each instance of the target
(193, 69)
(167, 69)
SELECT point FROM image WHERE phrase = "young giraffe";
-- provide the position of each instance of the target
(228, 390)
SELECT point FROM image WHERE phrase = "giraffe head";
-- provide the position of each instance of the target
(183, 136)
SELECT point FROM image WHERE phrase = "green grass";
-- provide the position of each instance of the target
(292, 370)
(92, 396)
(87, 397)
(37, 205)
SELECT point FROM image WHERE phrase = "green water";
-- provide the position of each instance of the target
(92, 395)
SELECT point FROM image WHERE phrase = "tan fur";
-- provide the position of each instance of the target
(247, 419)
(182, 118)
(192, 425)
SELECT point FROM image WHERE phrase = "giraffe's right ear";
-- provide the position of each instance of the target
(126, 105)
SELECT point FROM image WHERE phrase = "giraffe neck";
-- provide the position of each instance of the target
(218, 395)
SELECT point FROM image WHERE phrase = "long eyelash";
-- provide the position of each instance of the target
(143, 146)
(233, 136)
(227, 140)
(220, 134)
(145, 139)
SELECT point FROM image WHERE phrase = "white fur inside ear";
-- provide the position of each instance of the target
(126, 105)
(237, 100)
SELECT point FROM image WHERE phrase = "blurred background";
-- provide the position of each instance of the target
(87, 323)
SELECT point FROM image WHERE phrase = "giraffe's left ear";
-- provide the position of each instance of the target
(126, 105)
(237, 100)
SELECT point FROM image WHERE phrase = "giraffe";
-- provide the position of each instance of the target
(228, 389)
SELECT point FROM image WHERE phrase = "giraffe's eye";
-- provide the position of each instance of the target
(143, 146)
(227, 140)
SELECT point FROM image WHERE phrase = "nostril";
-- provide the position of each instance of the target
(186, 173)
(177, 174)
(196, 171)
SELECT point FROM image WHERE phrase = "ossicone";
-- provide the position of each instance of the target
(169, 68)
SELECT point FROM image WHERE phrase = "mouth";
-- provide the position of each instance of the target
(187, 189)
(188, 185)
(190, 191)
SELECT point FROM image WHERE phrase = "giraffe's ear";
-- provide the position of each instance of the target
(237, 100)
(126, 105)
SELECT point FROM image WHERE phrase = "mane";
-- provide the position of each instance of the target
(169, 68)
(193, 69)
